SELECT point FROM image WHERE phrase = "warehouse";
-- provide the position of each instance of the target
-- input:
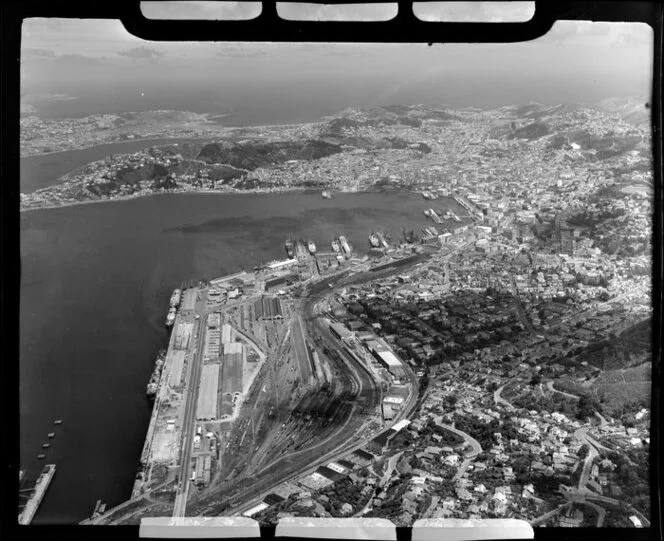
(177, 363)
(206, 408)
(268, 308)
(391, 362)
(341, 332)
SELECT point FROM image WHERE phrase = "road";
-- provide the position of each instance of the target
(499, 399)
(189, 418)
(551, 388)
(581, 434)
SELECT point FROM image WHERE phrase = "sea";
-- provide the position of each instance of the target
(95, 286)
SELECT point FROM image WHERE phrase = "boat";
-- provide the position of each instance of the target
(170, 318)
(153, 385)
(289, 248)
(46, 445)
(344, 244)
(51, 434)
(374, 240)
(383, 241)
(427, 212)
(175, 297)
(311, 246)
(41, 457)
(335, 246)
(326, 195)
(57, 422)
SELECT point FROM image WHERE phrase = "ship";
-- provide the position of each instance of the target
(153, 384)
(326, 195)
(41, 457)
(427, 195)
(51, 434)
(46, 445)
(427, 213)
(383, 241)
(289, 248)
(311, 246)
(344, 244)
(374, 240)
(335, 246)
(175, 297)
(57, 422)
(170, 318)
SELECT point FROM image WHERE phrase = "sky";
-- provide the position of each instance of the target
(575, 62)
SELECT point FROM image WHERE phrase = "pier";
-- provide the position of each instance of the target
(41, 486)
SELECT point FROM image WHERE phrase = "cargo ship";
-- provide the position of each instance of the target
(344, 244)
(382, 240)
(327, 195)
(374, 240)
(153, 385)
(311, 246)
(335, 246)
(175, 297)
(289, 248)
(170, 318)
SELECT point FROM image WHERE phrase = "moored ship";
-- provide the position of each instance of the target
(289, 248)
(374, 240)
(170, 318)
(344, 244)
(153, 385)
(335, 246)
(326, 195)
(175, 297)
(311, 246)
(383, 240)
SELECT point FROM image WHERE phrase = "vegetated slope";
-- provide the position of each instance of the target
(628, 349)
(252, 155)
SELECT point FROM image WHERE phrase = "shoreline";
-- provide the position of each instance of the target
(128, 141)
(219, 127)
(217, 192)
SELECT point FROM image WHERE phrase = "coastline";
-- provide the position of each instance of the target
(222, 128)
(218, 192)
(136, 140)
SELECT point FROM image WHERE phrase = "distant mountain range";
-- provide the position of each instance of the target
(631, 110)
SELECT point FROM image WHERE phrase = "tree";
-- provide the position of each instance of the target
(583, 451)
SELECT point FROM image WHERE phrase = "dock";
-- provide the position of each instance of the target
(34, 501)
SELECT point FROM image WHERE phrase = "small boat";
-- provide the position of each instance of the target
(46, 445)
(51, 434)
(57, 422)
(327, 195)
(41, 457)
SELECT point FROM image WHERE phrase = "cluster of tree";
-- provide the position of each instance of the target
(481, 431)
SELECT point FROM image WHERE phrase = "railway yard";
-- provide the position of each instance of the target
(258, 388)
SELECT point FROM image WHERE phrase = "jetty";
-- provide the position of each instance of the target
(34, 500)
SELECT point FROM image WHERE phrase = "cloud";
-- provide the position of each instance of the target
(142, 53)
(493, 12)
(237, 51)
(73, 59)
(343, 12)
(201, 10)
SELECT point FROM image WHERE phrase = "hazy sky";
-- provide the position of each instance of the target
(575, 61)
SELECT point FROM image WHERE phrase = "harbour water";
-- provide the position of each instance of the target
(95, 288)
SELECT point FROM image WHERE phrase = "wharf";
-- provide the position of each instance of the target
(149, 437)
(28, 513)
